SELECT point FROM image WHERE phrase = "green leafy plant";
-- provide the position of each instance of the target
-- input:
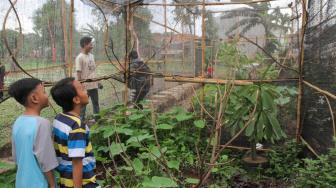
(320, 172)
(264, 124)
(284, 160)
(147, 149)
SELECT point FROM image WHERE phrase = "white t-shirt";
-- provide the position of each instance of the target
(86, 65)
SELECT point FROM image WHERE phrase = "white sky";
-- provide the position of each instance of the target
(83, 15)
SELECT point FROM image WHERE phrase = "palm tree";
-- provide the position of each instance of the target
(259, 14)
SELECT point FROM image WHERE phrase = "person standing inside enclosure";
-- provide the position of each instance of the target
(86, 69)
(139, 82)
(2, 77)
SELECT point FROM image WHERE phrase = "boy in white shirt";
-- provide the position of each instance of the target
(86, 69)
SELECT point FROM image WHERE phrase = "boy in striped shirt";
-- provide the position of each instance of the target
(71, 136)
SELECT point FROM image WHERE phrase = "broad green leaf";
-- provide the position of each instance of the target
(134, 117)
(164, 182)
(267, 101)
(155, 151)
(183, 117)
(199, 124)
(260, 126)
(138, 166)
(117, 148)
(282, 100)
(139, 138)
(124, 131)
(109, 132)
(192, 180)
(165, 126)
(174, 164)
(214, 169)
(250, 128)
(127, 168)
(276, 126)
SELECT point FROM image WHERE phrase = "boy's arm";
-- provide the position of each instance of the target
(77, 172)
(50, 177)
(44, 150)
(78, 68)
(79, 75)
(76, 151)
(13, 151)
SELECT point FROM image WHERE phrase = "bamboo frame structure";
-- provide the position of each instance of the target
(300, 80)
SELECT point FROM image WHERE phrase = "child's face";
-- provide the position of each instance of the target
(81, 93)
(39, 96)
(88, 47)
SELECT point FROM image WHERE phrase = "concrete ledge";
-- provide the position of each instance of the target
(166, 99)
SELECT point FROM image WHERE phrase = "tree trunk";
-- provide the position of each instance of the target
(52, 42)
(65, 35)
(135, 39)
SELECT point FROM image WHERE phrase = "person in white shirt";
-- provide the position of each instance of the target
(86, 69)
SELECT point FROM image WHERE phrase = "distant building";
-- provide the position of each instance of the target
(256, 34)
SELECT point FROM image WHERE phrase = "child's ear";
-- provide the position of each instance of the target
(76, 100)
(34, 98)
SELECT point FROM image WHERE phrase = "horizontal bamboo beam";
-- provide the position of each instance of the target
(157, 23)
(246, 148)
(221, 81)
(233, 10)
(207, 4)
(320, 90)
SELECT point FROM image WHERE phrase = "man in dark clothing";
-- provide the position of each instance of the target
(139, 82)
(2, 77)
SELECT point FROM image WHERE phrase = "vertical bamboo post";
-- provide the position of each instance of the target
(71, 37)
(65, 37)
(203, 52)
(126, 59)
(195, 43)
(300, 84)
(182, 39)
(165, 35)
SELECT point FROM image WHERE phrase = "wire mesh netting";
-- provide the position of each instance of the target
(319, 69)
(176, 39)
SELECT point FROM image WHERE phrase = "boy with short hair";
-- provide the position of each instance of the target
(32, 145)
(71, 136)
(86, 69)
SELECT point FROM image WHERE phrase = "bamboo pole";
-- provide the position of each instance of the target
(300, 84)
(165, 35)
(65, 35)
(157, 23)
(331, 114)
(246, 148)
(170, 78)
(225, 11)
(182, 27)
(207, 81)
(208, 4)
(203, 53)
(126, 59)
(195, 43)
(71, 37)
(319, 90)
(308, 146)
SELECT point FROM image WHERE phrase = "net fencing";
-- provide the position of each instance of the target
(180, 41)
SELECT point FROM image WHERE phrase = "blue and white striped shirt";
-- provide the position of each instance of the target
(71, 139)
